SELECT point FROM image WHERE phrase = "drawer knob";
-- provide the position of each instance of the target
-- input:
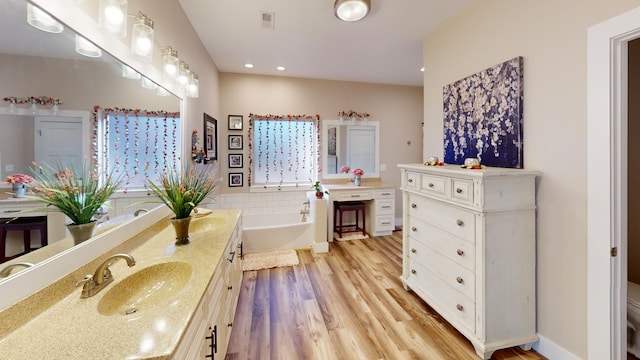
(459, 191)
(414, 229)
(410, 180)
(431, 185)
(413, 206)
(459, 222)
(459, 307)
(460, 252)
(459, 280)
(413, 271)
(229, 287)
(414, 251)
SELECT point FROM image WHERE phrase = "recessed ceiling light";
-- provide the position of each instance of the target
(248, 66)
(281, 68)
(422, 69)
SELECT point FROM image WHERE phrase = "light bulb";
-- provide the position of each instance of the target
(142, 37)
(113, 17)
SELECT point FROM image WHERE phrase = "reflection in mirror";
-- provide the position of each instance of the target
(210, 138)
(37, 63)
(352, 144)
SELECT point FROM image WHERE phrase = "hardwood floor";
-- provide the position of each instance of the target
(345, 304)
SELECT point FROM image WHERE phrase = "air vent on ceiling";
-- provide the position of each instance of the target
(268, 20)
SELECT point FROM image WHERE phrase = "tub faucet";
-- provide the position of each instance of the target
(92, 284)
(6, 271)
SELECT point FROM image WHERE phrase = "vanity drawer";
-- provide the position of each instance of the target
(452, 219)
(351, 195)
(411, 181)
(385, 223)
(455, 249)
(385, 194)
(386, 206)
(435, 185)
(462, 191)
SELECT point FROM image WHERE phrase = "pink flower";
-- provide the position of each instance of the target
(19, 179)
(345, 169)
(358, 171)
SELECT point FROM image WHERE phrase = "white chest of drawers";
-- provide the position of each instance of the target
(469, 250)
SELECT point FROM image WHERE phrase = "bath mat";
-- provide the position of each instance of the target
(351, 236)
(270, 259)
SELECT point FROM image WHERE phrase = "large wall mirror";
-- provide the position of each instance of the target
(355, 144)
(38, 63)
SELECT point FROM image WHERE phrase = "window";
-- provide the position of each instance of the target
(284, 150)
(142, 145)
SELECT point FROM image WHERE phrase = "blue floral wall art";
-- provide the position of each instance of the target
(483, 117)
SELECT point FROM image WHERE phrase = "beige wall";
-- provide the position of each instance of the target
(397, 108)
(551, 36)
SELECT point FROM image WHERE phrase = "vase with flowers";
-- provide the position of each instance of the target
(344, 169)
(76, 193)
(19, 184)
(357, 176)
(182, 192)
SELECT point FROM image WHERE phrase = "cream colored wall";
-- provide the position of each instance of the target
(397, 108)
(551, 36)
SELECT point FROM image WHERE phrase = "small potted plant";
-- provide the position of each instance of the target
(19, 183)
(318, 188)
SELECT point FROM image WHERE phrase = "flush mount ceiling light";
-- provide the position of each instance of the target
(351, 10)
(142, 37)
(42, 21)
(113, 17)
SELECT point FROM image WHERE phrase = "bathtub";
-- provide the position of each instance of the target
(277, 231)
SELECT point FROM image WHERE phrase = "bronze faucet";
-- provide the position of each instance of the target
(6, 271)
(102, 277)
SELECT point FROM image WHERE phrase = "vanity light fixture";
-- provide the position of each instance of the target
(42, 21)
(351, 10)
(113, 17)
(193, 87)
(148, 84)
(86, 47)
(162, 91)
(142, 37)
(170, 62)
(129, 73)
(185, 74)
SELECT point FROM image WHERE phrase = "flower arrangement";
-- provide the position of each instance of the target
(78, 195)
(19, 179)
(182, 192)
(358, 171)
(344, 169)
(352, 114)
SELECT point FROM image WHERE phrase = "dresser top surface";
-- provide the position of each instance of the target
(451, 169)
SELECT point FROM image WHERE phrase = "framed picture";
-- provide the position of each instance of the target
(235, 122)
(235, 142)
(235, 160)
(235, 179)
(210, 138)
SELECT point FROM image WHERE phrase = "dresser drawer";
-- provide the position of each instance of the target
(385, 194)
(457, 221)
(456, 306)
(411, 181)
(385, 206)
(385, 223)
(462, 191)
(456, 249)
(435, 185)
(452, 274)
(351, 195)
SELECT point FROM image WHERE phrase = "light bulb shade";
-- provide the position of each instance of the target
(351, 10)
(162, 91)
(148, 84)
(142, 37)
(170, 63)
(193, 86)
(42, 21)
(129, 73)
(185, 74)
(113, 17)
(86, 48)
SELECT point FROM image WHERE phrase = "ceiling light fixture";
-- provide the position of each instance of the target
(113, 17)
(351, 10)
(142, 37)
(42, 21)
(86, 47)
(248, 66)
(170, 62)
(281, 68)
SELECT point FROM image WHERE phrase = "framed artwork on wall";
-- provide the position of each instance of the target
(235, 179)
(235, 142)
(235, 122)
(235, 161)
(210, 138)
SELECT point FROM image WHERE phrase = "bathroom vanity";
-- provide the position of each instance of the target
(137, 316)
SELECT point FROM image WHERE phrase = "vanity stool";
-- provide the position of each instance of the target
(24, 224)
(358, 208)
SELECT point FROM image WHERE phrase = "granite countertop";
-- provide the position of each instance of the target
(73, 327)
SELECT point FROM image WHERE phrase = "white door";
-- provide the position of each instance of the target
(58, 140)
(361, 143)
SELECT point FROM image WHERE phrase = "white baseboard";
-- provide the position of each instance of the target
(551, 350)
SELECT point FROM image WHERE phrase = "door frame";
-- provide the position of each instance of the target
(607, 44)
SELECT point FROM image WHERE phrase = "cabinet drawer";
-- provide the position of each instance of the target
(385, 206)
(385, 194)
(456, 307)
(456, 249)
(411, 181)
(435, 185)
(385, 223)
(351, 195)
(462, 191)
(457, 221)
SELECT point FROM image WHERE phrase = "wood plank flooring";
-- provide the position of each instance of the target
(345, 304)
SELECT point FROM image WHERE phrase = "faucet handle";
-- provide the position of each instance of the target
(88, 279)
